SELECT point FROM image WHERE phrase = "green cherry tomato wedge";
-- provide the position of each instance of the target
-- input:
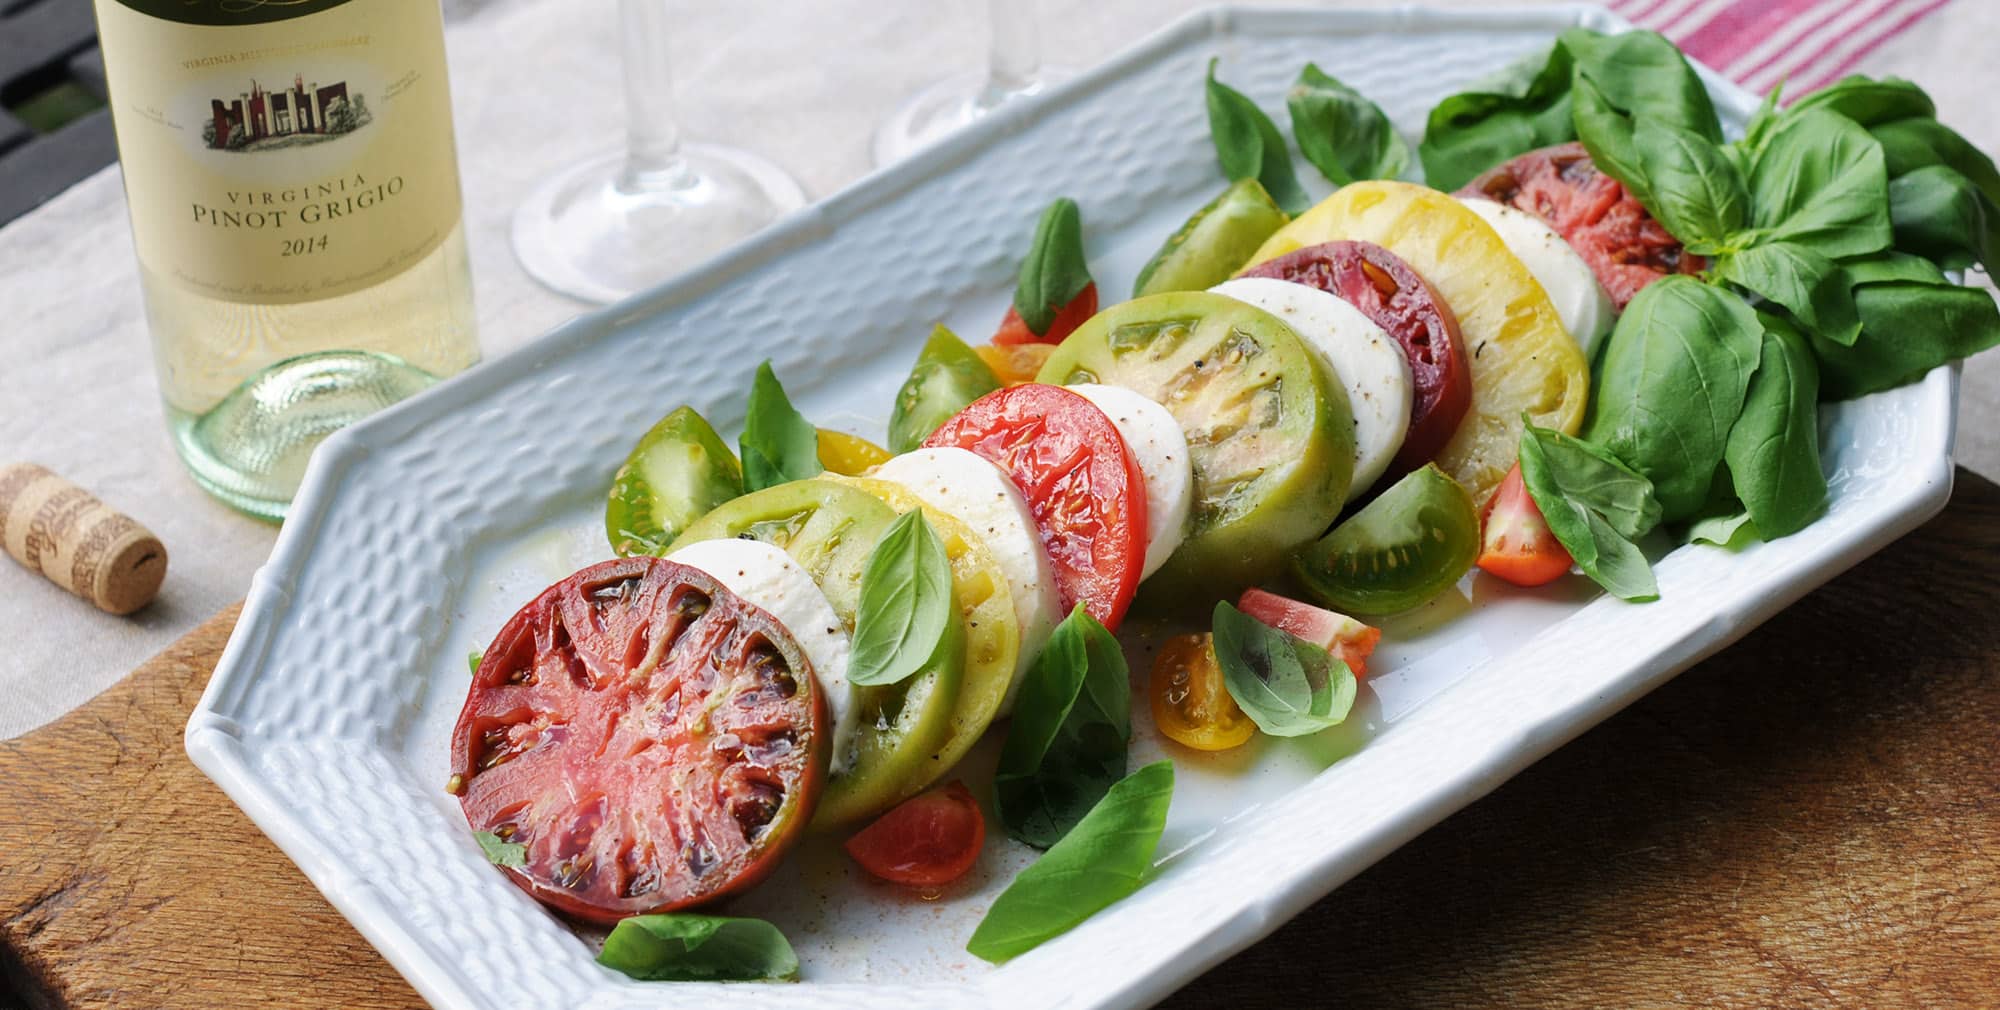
(680, 470)
(1405, 547)
(830, 530)
(946, 377)
(1270, 434)
(1214, 243)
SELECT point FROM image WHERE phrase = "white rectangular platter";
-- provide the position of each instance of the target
(421, 530)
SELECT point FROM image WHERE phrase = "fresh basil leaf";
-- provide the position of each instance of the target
(1644, 75)
(1911, 144)
(683, 947)
(1341, 132)
(1249, 146)
(1670, 384)
(1054, 272)
(1940, 215)
(908, 607)
(501, 853)
(472, 660)
(1697, 192)
(1105, 858)
(1890, 265)
(1820, 181)
(1727, 526)
(778, 445)
(1595, 505)
(1810, 286)
(948, 375)
(1869, 102)
(1743, 152)
(1907, 329)
(1606, 132)
(1524, 109)
(1067, 742)
(1773, 451)
(1286, 685)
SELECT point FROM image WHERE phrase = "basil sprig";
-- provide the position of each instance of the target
(683, 947)
(1286, 685)
(1595, 505)
(1054, 272)
(908, 607)
(778, 445)
(1106, 857)
(1343, 134)
(1067, 742)
(1249, 146)
(499, 852)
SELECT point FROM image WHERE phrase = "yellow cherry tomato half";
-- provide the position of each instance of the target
(1191, 705)
(1014, 364)
(849, 455)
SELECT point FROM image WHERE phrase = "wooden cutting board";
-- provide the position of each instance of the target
(1811, 819)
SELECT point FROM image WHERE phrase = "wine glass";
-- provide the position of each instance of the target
(624, 220)
(1013, 71)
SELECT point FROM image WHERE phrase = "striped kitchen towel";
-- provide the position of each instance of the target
(1808, 44)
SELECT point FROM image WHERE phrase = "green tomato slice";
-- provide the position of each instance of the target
(947, 376)
(1270, 434)
(1412, 543)
(1215, 243)
(678, 472)
(830, 530)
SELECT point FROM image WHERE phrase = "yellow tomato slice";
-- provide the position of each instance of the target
(1191, 704)
(1522, 359)
(849, 455)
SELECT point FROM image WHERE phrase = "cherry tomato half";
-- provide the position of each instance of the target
(1068, 318)
(1191, 704)
(1388, 291)
(1606, 225)
(929, 839)
(1515, 542)
(1350, 641)
(1014, 364)
(1080, 481)
(653, 740)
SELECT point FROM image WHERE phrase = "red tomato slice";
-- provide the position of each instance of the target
(1388, 291)
(1348, 639)
(929, 839)
(1068, 318)
(653, 740)
(1516, 543)
(1080, 481)
(1606, 225)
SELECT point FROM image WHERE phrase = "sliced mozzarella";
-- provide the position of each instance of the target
(962, 484)
(1585, 309)
(1160, 448)
(767, 578)
(1363, 357)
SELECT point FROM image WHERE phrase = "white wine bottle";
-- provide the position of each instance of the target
(294, 195)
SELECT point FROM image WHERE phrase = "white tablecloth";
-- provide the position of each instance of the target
(535, 84)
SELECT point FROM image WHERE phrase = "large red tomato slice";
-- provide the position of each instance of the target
(1594, 213)
(652, 741)
(927, 840)
(1399, 300)
(1080, 481)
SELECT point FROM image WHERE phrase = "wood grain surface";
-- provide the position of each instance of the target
(1811, 819)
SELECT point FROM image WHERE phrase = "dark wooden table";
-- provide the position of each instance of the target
(1811, 819)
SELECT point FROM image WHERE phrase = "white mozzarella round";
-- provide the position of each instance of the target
(962, 484)
(767, 578)
(1363, 357)
(1585, 309)
(1160, 448)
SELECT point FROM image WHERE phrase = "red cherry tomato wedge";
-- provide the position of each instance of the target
(1399, 300)
(1080, 481)
(651, 739)
(927, 840)
(1068, 318)
(1515, 542)
(1626, 248)
(1349, 640)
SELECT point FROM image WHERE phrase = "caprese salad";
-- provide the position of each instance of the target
(1303, 418)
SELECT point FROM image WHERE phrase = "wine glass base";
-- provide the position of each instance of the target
(949, 105)
(596, 232)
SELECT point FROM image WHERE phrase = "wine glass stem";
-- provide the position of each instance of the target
(653, 139)
(1014, 55)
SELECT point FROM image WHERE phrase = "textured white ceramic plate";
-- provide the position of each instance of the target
(421, 530)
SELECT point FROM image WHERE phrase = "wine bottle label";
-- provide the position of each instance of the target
(277, 153)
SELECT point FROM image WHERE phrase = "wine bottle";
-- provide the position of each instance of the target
(293, 187)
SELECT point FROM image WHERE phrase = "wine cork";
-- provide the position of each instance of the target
(77, 541)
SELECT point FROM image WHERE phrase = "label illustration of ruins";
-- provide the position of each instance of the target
(259, 120)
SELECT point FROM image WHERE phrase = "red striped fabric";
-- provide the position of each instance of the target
(1807, 44)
